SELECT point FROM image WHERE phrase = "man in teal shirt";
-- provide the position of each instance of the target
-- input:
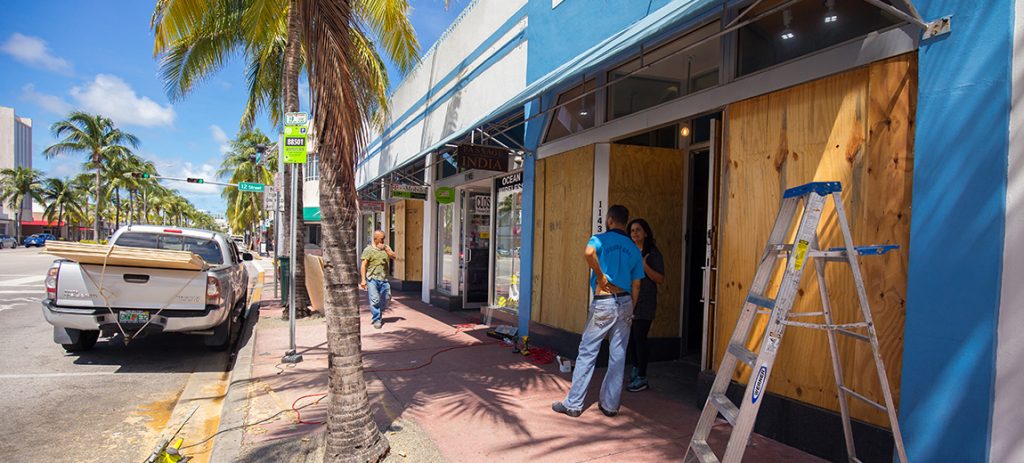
(617, 269)
(374, 276)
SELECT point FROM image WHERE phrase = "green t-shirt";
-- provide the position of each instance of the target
(376, 263)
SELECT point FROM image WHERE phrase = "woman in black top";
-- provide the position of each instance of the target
(646, 303)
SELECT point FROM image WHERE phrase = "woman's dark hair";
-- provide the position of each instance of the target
(649, 242)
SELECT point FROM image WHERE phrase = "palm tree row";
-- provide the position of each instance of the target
(123, 198)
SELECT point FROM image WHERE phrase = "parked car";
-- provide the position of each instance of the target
(38, 240)
(210, 303)
(8, 241)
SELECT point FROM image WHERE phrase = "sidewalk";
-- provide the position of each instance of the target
(443, 391)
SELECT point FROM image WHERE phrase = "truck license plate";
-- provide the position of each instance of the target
(133, 316)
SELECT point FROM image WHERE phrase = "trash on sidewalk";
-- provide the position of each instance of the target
(564, 364)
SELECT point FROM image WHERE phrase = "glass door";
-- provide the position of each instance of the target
(448, 251)
(477, 247)
(508, 224)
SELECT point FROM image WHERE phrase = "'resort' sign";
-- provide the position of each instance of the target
(482, 158)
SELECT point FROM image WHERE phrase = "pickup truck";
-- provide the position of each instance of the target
(207, 302)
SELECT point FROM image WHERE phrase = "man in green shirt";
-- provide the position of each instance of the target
(374, 273)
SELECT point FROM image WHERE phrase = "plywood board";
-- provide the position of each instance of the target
(857, 128)
(536, 310)
(649, 182)
(564, 226)
(412, 257)
(401, 239)
(122, 256)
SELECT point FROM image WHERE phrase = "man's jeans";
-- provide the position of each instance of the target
(611, 315)
(380, 293)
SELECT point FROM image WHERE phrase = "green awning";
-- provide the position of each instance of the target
(311, 214)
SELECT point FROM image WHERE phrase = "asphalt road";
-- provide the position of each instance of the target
(110, 404)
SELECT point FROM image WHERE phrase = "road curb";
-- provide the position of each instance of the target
(228, 444)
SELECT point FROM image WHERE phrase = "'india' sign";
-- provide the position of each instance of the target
(482, 158)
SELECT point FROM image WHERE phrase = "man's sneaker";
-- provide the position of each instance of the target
(639, 384)
(377, 324)
(606, 411)
(558, 407)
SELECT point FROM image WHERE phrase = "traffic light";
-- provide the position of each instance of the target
(194, 180)
(140, 175)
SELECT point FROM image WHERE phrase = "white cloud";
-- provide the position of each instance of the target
(111, 96)
(51, 103)
(34, 52)
(221, 137)
(64, 168)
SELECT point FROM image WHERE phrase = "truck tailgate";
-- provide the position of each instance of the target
(131, 287)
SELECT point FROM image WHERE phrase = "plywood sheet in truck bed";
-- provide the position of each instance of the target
(122, 256)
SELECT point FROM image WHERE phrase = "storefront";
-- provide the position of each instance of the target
(478, 227)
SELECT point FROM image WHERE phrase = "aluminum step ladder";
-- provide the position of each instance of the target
(796, 255)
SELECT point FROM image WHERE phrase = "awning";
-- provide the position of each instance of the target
(658, 22)
(311, 214)
(41, 223)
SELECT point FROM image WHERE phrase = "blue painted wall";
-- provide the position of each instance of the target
(558, 35)
(956, 233)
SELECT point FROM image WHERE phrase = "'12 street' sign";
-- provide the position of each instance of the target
(249, 186)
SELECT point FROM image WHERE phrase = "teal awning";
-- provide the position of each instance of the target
(311, 214)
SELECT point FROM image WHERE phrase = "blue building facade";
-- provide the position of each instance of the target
(539, 78)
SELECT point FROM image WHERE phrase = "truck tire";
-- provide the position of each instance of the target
(83, 341)
(221, 338)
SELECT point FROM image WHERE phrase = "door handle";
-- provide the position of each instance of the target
(135, 278)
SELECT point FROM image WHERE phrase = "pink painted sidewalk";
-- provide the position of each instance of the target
(477, 401)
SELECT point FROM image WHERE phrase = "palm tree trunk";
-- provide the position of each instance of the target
(352, 434)
(96, 223)
(60, 222)
(117, 208)
(290, 86)
(17, 223)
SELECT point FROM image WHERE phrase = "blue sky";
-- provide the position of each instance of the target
(97, 56)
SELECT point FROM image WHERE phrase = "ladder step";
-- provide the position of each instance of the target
(863, 399)
(853, 335)
(821, 188)
(825, 326)
(725, 406)
(839, 254)
(743, 354)
(703, 452)
(760, 300)
(806, 314)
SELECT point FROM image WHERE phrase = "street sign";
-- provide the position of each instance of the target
(270, 201)
(250, 186)
(300, 118)
(403, 191)
(295, 144)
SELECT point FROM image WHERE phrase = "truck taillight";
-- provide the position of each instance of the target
(212, 291)
(51, 282)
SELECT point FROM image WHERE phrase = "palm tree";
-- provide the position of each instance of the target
(17, 185)
(244, 211)
(97, 137)
(349, 88)
(62, 200)
(195, 37)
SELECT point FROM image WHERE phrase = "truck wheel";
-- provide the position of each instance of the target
(85, 340)
(221, 338)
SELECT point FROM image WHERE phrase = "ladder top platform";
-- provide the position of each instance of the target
(821, 188)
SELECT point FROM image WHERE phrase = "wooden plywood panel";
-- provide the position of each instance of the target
(412, 256)
(401, 239)
(856, 128)
(568, 193)
(649, 182)
(538, 240)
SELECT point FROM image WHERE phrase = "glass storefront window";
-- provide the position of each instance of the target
(670, 77)
(508, 221)
(448, 248)
(575, 116)
(803, 28)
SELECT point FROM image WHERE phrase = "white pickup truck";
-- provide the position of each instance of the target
(208, 302)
